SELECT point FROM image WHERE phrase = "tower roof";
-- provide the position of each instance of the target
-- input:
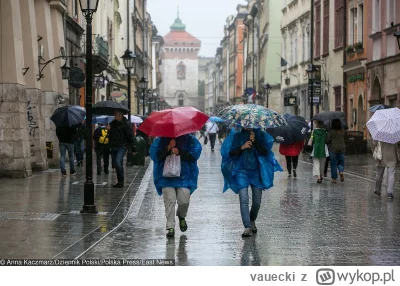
(178, 25)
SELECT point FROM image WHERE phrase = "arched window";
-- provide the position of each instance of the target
(181, 100)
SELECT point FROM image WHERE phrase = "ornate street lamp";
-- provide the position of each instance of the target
(267, 89)
(312, 70)
(143, 86)
(129, 63)
(89, 7)
(65, 69)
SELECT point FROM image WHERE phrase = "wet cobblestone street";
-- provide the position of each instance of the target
(300, 222)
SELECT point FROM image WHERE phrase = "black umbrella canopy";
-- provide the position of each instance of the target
(108, 108)
(328, 116)
(69, 115)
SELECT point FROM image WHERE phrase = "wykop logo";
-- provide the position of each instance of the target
(325, 276)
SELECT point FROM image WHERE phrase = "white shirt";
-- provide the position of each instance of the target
(212, 128)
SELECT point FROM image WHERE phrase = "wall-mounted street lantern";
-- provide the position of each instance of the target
(65, 69)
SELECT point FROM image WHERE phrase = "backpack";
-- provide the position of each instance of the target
(103, 139)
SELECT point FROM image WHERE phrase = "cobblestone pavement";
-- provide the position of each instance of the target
(39, 215)
(300, 223)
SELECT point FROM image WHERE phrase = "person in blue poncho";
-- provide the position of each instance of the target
(247, 160)
(178, 189)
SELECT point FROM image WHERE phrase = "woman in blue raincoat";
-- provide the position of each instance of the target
(247, 160)
(177, 189)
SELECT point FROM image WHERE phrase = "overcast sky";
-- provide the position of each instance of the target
(204, 19)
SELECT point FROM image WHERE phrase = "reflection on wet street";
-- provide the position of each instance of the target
(300, 223)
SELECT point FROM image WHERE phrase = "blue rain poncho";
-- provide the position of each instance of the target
(249, 168)
(189, 170)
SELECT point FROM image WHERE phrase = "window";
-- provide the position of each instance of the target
(303, 56)
(75, 7)
(338, 98)
(391, 12)
(284, 49)
(180, 100)
(295, 48)
(351, 27)
(326, 28)
(339, 16)
(376, 25)
(309, 41)
(291, 49)
(360, 19)
(318, 29)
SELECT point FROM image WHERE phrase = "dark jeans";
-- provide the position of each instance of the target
(79, 146)
(102, 152)
(63, 151)
(337, 163)
(117, 154)
(289, 161)
(213, 137)
(326, 165)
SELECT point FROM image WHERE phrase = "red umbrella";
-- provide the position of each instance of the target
(173, 122)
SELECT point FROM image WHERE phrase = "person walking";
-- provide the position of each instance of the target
(320, 150)
(65, 137)
(337, 148)
(176, 190)
(247, 161)
(121, 140)
(102, 148)
(388, 162)
(212, 130)
(79, 142)
(291, 153)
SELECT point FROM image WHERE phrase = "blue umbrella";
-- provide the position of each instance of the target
(216, 119)
(69, 115)
(379, 107)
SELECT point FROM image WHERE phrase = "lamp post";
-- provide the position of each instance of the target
(143, 86)
(129, 63)
(89, 7)
(311, 77)
(267, 88)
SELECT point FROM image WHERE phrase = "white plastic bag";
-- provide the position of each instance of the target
(378, 152)
(172, 166)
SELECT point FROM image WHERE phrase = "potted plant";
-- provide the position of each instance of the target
(359, 47)
(350, 50)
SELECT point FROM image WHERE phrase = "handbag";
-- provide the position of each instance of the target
(377, 152)
(172, 166)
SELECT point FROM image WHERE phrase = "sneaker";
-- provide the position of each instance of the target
(294, 173)
(247, 232)
(72, 173)
(253, 227)
(377, 193)
(341, 177)
(212, 150)
(390, 196)
(118, 185)
(64, 173)
(182, 224)
(289, 175)
(171, 232)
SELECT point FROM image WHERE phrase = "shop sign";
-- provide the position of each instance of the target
(355, 78)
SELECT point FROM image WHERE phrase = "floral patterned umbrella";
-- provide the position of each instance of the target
(384, 125)
(252, 116)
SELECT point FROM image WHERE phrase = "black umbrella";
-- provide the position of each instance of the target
(296, 130)
(108, 108)
(328, 116)
(69, 115)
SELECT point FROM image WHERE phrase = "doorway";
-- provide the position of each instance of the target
(361, 114)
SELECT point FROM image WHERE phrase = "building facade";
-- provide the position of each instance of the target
(296, 48)
(180, 67)
(383, 67)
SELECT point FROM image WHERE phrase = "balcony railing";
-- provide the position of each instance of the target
(99, 47)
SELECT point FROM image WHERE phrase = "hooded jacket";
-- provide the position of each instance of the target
(319, 140)
(121, 134)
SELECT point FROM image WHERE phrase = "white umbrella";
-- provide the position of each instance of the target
(384, 125)
(135, 119)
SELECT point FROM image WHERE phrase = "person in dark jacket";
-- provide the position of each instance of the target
(102, 147)
(337, 148)
(79, 139)
(121, 139)
(65, 137)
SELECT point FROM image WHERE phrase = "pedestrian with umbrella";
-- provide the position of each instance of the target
(320, 150)
(384, 127)
(247, 158)
(291, 138)
(175, 153)
(337, 148)
(121, 137)
(65, 118)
